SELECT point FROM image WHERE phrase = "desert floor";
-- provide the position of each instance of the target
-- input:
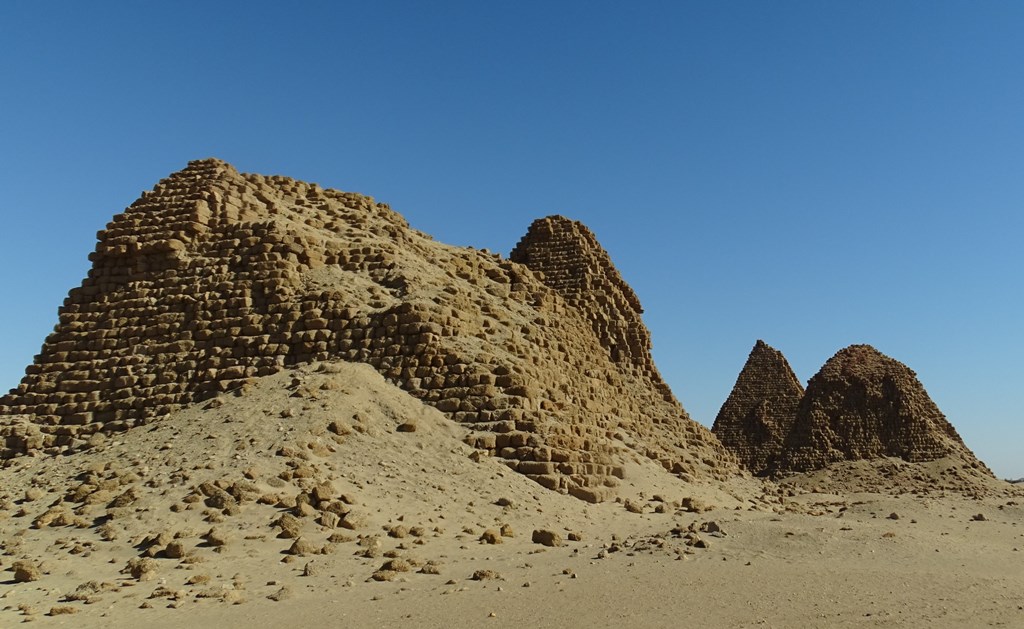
(410, 507)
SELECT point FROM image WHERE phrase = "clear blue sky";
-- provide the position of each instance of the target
(813, 173)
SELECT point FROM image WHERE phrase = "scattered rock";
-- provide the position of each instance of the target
(25, 571)
(546, 537)
(490, 536)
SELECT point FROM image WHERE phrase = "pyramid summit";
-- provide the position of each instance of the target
(215, 277)
(760, 411)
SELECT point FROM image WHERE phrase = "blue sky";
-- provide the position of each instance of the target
(814, 174)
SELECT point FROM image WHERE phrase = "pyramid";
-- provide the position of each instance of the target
(566, 256)
(863, 404)
(759, 414)
(215, 277)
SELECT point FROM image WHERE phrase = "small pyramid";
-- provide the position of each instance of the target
(758, 415)
(866, 405)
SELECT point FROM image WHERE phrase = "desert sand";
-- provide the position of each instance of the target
(758, 553)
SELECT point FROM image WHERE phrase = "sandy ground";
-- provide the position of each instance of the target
(180, 522)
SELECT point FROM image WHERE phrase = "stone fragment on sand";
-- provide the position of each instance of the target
(399, 531)
(694, 505)
(174, 550)
(490, 536)
(485, 575)
(141, 568)
(711, 527)
(216, 537)
(431, 567)
(396, 565)
(25, 571)
(546, 537)
(302, 548)
(282, 594)
(289, 525)
(354, 520)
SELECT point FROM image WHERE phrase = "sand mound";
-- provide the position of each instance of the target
(324, 470)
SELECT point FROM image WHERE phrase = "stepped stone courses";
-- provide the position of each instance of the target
(761, 409)
(216, 277)
(861, 405)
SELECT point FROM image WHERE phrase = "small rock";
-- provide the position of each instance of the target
(302, 548)
(174, 550)
(490, 536)
(25, 571)
(283, 594)
(546, 537)
(216, 537)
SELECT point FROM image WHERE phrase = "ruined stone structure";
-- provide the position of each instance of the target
(216, 277)
(761, 409)
(570, 260)
(861, 405)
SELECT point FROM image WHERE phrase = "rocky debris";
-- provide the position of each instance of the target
(491, 536)
(760, 411)
(225, 277)
(25, 571)
(283, 594)
(90, 591)
(694, 505)
(546, 537)
(141, 568)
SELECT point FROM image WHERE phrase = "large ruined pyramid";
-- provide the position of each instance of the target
(215, 277)
(863, 404)
(759, 414)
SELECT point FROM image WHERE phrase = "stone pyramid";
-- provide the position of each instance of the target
(759, 414)
(865, 405)
(215, 277)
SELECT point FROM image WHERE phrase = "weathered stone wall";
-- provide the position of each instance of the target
(216, 277)
(759, 414)
(571, 261)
